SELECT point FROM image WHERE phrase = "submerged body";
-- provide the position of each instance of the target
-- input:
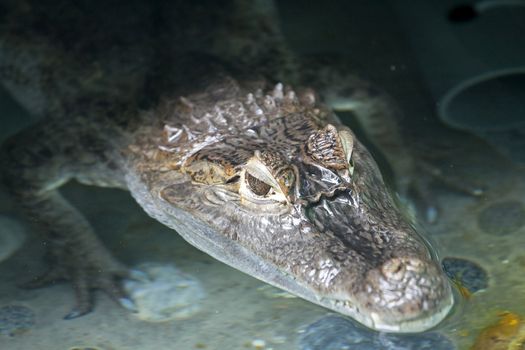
(260, 176)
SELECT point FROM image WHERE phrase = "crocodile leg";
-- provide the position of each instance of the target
(35, 163)
(81, 70)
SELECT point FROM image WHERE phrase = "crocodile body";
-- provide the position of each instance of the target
(260, 175)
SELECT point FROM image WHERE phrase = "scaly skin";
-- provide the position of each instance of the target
(260, 176)
(317, 220)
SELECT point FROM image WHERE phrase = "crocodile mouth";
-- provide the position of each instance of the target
(383, 322)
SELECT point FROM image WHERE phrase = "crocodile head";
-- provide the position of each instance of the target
(267, 184)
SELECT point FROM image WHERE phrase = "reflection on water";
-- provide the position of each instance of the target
(480, 239)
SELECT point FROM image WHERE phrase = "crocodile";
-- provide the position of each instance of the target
(243, 160)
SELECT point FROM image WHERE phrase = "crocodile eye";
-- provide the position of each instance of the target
(257, 186)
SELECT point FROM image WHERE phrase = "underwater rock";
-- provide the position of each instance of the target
(466, 273)
(502, 218)
(15, 319)
(338, 333)
(335, 333)
(163, 293)
(12, 236)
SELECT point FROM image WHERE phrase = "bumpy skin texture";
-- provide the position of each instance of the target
(258, 175)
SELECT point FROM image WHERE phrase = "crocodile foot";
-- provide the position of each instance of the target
(420, 186)
(87, 275)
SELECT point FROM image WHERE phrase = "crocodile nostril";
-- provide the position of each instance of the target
(394, 269)
(397, 268)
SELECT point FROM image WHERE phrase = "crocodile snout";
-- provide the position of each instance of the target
(407, 293)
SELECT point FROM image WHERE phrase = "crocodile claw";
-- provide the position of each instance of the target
(109, 283)
(128, 304)
(103, 274)
(75, 313)
(420, 187)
